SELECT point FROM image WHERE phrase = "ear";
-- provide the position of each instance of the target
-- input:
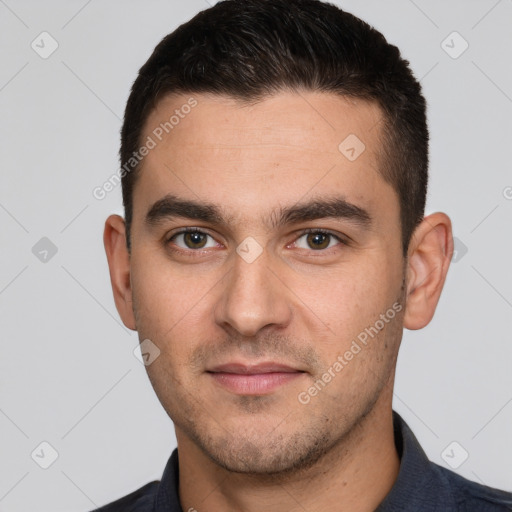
(114, 239)
(429, 256)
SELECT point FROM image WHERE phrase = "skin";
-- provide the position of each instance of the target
(294, 304)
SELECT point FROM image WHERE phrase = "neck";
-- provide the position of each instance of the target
(354, 476)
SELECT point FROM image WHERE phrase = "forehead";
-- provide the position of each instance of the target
(311, 120)
(276, 151)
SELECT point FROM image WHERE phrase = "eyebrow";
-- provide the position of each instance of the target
(172, 206)
(337, 208)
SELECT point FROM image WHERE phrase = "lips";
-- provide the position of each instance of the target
(253, 369)
(253, 379)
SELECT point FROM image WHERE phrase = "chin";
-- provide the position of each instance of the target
(262, 455)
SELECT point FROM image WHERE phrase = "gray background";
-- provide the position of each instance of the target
(68, 375)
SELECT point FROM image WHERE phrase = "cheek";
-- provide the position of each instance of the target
(363, 336)
(352, 299)
(174, 306)
(163, 298)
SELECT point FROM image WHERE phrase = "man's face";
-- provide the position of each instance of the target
(292, 249)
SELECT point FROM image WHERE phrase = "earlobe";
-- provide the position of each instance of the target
(114, 240)
(429, 256)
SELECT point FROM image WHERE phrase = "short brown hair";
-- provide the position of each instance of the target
(249, 49)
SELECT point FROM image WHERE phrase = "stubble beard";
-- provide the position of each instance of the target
(272, 454)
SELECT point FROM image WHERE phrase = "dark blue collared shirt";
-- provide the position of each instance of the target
(421, 486)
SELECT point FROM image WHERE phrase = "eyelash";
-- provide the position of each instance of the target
(198, 252)
(321, 231)
(188, 252)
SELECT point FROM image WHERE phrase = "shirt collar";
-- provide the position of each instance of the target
(417, 486)
(167, 498)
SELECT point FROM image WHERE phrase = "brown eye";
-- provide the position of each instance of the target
(193, 240)
(318, 240)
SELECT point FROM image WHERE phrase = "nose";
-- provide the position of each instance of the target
(253, 298)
